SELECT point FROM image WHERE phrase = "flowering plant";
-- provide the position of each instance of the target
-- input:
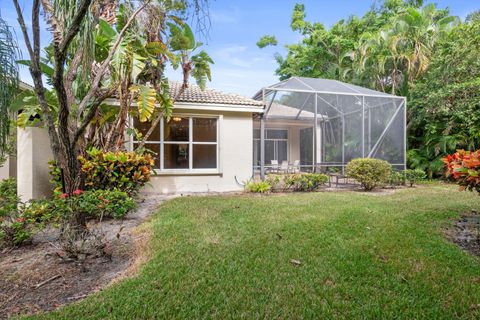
(464, 167)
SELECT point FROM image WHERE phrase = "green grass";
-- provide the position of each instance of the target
(362, 255)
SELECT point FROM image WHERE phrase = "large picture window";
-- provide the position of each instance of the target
(184, 143)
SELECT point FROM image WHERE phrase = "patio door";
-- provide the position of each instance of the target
(306, 147)
(276, 146)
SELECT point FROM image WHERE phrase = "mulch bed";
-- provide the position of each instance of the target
(35, 278)
(466, 232)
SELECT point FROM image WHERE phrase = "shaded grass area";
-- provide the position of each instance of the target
(362, 256)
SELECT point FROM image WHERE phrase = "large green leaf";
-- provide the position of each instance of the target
(146, 99)
(44, 68)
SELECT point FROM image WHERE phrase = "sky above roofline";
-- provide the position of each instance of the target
(240, 67)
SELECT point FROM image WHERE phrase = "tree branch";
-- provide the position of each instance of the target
(91, 113)
(37, 74)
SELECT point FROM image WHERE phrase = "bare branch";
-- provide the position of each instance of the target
(100, 73)
(21, 21)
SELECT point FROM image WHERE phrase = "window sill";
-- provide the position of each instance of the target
(158, 173)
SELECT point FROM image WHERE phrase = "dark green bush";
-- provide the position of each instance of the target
(296, 182)
(396, 178)
(8, 196)
(414, 175)
(369, 172)
(106, 203)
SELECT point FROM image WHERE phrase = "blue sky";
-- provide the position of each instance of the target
(240, 66)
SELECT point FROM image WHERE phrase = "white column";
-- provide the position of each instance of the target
(33, 154)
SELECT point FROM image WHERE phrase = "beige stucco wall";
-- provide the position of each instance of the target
(235, 159)
(33, 154)
(9, 168)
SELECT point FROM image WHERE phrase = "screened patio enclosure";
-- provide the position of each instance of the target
(319, 125)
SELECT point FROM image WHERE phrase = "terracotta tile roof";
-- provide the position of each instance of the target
(193, 94)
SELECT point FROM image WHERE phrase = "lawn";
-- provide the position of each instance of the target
(362, 256)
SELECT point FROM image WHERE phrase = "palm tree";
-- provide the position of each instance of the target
(8, 80)
(416, 32)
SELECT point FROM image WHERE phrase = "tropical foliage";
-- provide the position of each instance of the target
(8, 81)
(102, 50)
(464, 167)
(445, 103)
(404, 47)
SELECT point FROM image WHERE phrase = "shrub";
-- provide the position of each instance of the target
(309, 181)
(258, 186)
(464, 167)
(369, 172)
(8, 196)
(396, 178)
(124, 171)
(414, 175)
(275, 181)
(296, 182)
(106, 203)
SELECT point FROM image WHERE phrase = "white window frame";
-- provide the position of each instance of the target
(275, 142)
(190, 143)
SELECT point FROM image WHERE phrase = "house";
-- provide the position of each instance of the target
(216, 141)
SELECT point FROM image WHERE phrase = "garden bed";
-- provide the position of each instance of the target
(466, 232)
(36, 278)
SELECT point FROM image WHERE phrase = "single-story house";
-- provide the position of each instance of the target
(216, 141)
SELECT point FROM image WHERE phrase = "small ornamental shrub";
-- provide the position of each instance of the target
(296, 182)
(274, 180)
(396, 178)
(8, 197)
(412, 176)
(309, 181)
(369, 172)
(124, 171)
(106, 203)
(464, 168)
(258, 186)
(95, 204)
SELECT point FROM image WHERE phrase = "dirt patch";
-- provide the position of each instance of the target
(465, 232)
(35, 278)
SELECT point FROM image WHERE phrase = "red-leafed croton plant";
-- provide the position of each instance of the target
(464, 167)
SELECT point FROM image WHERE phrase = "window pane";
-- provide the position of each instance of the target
(256, 133)
(277, 134)
(204, 130)
(282, 151)
(269, 151)
(154, 149)
(256, 152)
(175, 156)
(176, 129)
(143, 127)
(204, 156)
